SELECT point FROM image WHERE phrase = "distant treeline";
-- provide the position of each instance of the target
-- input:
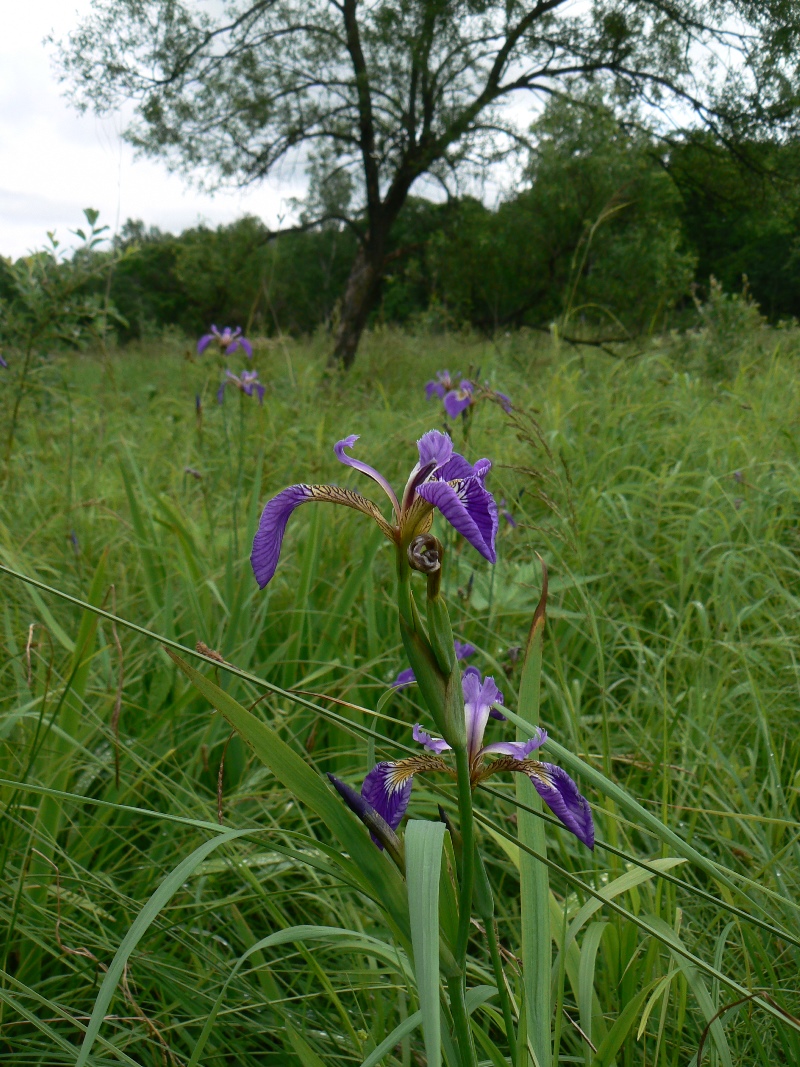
(610, 232)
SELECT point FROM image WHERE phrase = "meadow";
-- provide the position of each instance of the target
(666, 505)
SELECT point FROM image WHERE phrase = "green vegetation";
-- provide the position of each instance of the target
(662, 491)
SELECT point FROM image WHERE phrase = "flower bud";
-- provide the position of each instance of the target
(425, 554)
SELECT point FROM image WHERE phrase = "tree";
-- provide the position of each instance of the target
(373, 97)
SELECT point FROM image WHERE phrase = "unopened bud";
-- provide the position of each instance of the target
(425, 553)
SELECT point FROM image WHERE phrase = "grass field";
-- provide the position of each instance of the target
(667, 508)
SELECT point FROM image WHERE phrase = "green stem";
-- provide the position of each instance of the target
(461, 1028)
(467, 828)
(502, 989)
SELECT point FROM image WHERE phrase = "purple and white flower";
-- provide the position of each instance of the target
(228, 341)
(442, 384)
(441, 479)
(247, 382)
(458, 400)
(387, 787)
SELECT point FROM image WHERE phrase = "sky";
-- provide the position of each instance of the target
(54, 162)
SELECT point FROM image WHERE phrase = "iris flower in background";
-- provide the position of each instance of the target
(506, 513)
(443, 384)
(440, 479)
(406, 678)
(247, 382)
(3, 363)
(387, 787)
(228, 340)
(459, 398)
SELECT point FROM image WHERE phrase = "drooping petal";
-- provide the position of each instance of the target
(561, 795)
(260, 389)
(4, 365)
(517, 749)
(459, 400)
(434, 744)
(221, 393)
(204, 342)
(380, 831)
(248, 348)
(232, 347)
(464, 650)
(434, 389)
(469, 507)
(387, 798)
(503, 401)
(404, 679)
(271, 527)
(269, 536)
(349, 461)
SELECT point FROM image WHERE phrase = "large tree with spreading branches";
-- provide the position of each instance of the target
(373, 96)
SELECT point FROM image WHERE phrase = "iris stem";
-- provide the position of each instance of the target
(461, 1028)
(502, 989)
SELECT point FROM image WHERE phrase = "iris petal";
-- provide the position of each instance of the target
(469, 508)
(433, 744)
(561, 795)
(204, 342)
(435, 448)
(387, 799)
(364, 468)
(404, 679)
(269, 536)
(517, 749)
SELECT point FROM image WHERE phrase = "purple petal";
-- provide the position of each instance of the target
(494, 713)
(260, 389)
(221, 393)
(3, 363)
(231, 348)
(478, 699)
(518, 749)
(404, 679)
(271, 528)
(435, 744)
(456, 467)
(204, 342)
(464, 650)
(247, 347)
(435, 449)
(387, 799)
(434, 389)
(349, 461)
(504, 402)
(561, 795)
(458, 400)
(469, 508)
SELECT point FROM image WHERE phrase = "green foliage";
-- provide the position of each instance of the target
(669, 662)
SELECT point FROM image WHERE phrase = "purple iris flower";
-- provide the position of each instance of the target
(388, 785)
(247, 382)
(458, 400)
(406, 678)
(228, 340)
(441, 479)
(443, 384)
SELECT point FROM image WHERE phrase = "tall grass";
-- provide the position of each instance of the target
(667, 508)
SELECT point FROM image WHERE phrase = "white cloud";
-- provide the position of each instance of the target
(54, 162)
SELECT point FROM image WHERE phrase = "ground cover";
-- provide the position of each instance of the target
(667, 508)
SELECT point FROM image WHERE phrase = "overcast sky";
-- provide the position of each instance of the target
(54, 162)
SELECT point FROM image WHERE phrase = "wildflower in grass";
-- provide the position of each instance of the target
(460, 398)
(406, 678)
(228, 341)
(442, 384)
(387, 787)
(441, 479)
(247, 382)
(507, 514)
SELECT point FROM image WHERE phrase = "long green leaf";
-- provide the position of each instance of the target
(381, 880)
(424, 842)
(162, 896)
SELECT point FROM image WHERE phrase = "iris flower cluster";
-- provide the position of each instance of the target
(444, 481)
(227, 340)
(459, 396)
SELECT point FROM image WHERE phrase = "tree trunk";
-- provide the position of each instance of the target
(360, 296)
